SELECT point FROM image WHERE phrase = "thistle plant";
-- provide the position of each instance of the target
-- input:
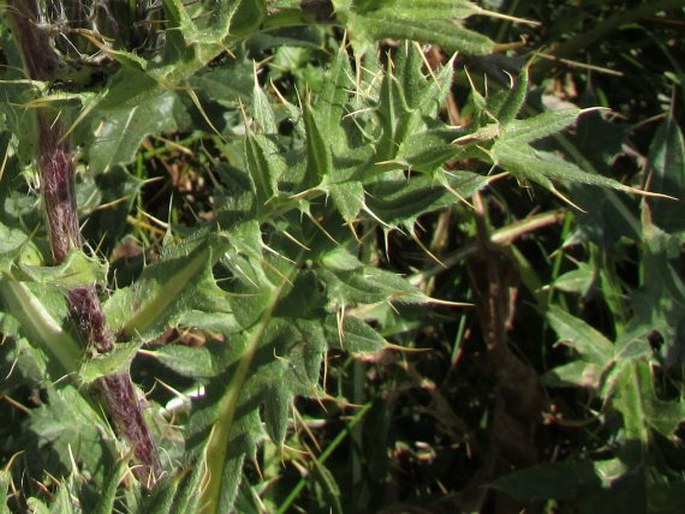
(271, 276)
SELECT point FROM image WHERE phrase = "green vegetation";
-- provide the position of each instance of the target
(342, 256)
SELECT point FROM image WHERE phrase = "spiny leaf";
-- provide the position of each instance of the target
(667, 159)
(160, 500)
(111, 486)
(262, 110)
(368, 285)
(375, 26)
(353, 335)
(319, 157)
(164, 291)
(36, 315)
(222, 474)
(398, 201)
(408, 63)
(72, 428)
(348, 197)
(429, 150)
(187, 499)
(505, 106)
(263, 175)
(117, 360)
(549, 123)
(545, 168)
(120, 133)
(434, 94)
(195, 362)
(394, 115)
(330, 103)
(419, 9)
(77, 270)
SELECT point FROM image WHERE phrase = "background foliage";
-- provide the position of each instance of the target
(284, 204)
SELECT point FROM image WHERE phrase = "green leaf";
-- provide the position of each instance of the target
(263, 112)
(441, 32)
(319, 156)
(591, 345)
(277, 406)
(71, 428)
(77, 270)
(429, 150)
(428, 21)
(128, 88)
(247, 18)
(549, 123)
(161, 498)
(37, 507)
(262, 174)
(111, 483)
(120, 133)
(348, 197)
(329, 104)
(264, 159)
(330, 492)
(659, 304)
(187, 361)
(353, 335)
(5, 479)
(641, 410)
(116, 360)
(339, 258)
(398, 201)
(165, 291)
(394, 115)
(667, 159)
(565, 480)
(505, 106)
(369, 285)
(227, 84)
(576, 373)
(187, 498)
(36, 315)
(525, 162)
(419, 9)
(17, 247)
(577, 281)
(225, 18)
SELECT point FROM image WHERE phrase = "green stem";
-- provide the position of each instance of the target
(215, 451)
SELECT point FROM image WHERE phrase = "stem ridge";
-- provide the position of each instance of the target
(56, 170)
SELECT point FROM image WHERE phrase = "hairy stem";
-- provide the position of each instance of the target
(56, 169)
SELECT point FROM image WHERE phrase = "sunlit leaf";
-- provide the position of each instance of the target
(590, 344)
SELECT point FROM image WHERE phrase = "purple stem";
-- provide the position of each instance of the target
(56, 169)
